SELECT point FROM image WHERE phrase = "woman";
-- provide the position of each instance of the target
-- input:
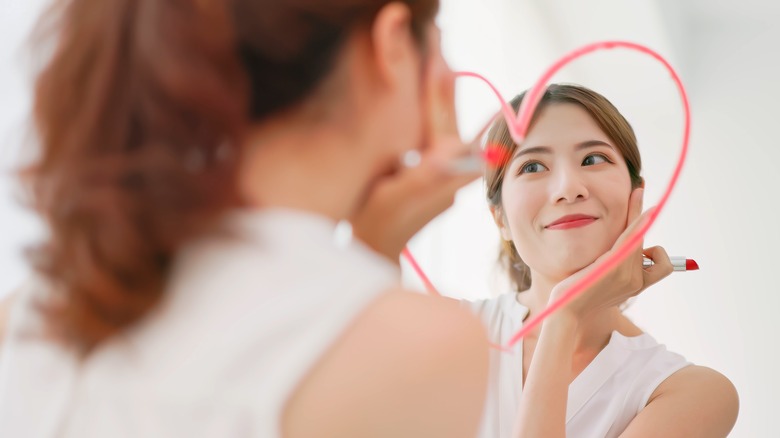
(195, 159)
(563, 201)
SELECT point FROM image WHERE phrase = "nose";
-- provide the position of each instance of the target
(568, 186)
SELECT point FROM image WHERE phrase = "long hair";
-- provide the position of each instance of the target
(140, 113)
(606, 116)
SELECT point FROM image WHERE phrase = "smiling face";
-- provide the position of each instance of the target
(564, 194)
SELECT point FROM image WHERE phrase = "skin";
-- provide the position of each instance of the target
(567, 165)
(377, 87)
(425, 373)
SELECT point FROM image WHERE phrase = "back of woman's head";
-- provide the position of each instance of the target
(608, 119)
(140, 113)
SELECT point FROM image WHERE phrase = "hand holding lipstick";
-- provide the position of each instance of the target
(628, 279)
(680, 264)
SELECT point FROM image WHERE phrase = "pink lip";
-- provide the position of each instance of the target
(571, 221)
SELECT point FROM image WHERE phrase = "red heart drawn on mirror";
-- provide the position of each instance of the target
(518, 127)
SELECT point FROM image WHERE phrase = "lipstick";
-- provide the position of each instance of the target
(491, 156)
(680, 263)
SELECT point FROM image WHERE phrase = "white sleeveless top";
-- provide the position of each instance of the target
(246, 315)
(602, 400)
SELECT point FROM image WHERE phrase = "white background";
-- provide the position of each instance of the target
(723, 212)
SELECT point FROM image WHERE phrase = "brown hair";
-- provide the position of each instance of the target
(140, 112)
(606, 116)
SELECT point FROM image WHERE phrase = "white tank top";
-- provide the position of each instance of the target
(247, 313)
(602, 400)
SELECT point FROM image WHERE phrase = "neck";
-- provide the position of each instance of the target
(593, 331)
(297, 165)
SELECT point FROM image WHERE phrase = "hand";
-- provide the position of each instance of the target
(627, 279)
(399, 205)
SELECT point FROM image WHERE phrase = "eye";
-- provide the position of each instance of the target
(532, 167)
(594, 159)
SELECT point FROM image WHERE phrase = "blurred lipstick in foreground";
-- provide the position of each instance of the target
(491, 156)
(679, 263)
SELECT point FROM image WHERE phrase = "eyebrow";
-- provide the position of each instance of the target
(548, 150)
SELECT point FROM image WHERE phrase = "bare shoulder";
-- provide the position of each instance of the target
(695, 401)
(410, 365)
(712, 391)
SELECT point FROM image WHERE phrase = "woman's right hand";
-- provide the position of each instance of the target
(401, 204)
(627, 279)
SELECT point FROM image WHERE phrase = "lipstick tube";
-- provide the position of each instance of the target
(680, 263)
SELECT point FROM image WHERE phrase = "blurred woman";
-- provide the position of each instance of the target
(195, 158)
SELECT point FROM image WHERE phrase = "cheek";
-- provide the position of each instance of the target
(616, 203)
(522, 205)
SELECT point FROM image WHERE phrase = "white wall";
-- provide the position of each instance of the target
(18, 227)
(722, 212)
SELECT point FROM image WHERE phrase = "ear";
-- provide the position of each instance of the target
(394, 47)
(500, 220)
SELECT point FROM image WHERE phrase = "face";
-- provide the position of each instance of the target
(565, 193)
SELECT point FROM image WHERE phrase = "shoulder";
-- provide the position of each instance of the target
(712, 392)
(432, 326)
(693, 392)
(409, 365)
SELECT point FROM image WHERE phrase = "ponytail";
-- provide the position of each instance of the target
(139, 112)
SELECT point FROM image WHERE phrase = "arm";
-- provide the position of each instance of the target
(693, 402)
(542, 411)
(543, 405)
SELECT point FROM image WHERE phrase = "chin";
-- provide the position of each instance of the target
(571, 269)
(574, 261)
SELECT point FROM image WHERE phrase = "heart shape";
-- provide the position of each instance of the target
(518, 128)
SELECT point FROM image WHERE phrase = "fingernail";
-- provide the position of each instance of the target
(652, 209)
(649, 213)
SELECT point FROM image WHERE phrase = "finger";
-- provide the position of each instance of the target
(427, 189)
(634, 227)
(662, 265)
(634, 216)
(635, 202)
(440, 194)
(440, 102)
(446, 150)
(473, 157)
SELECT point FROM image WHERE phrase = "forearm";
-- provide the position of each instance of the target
(542, 411)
